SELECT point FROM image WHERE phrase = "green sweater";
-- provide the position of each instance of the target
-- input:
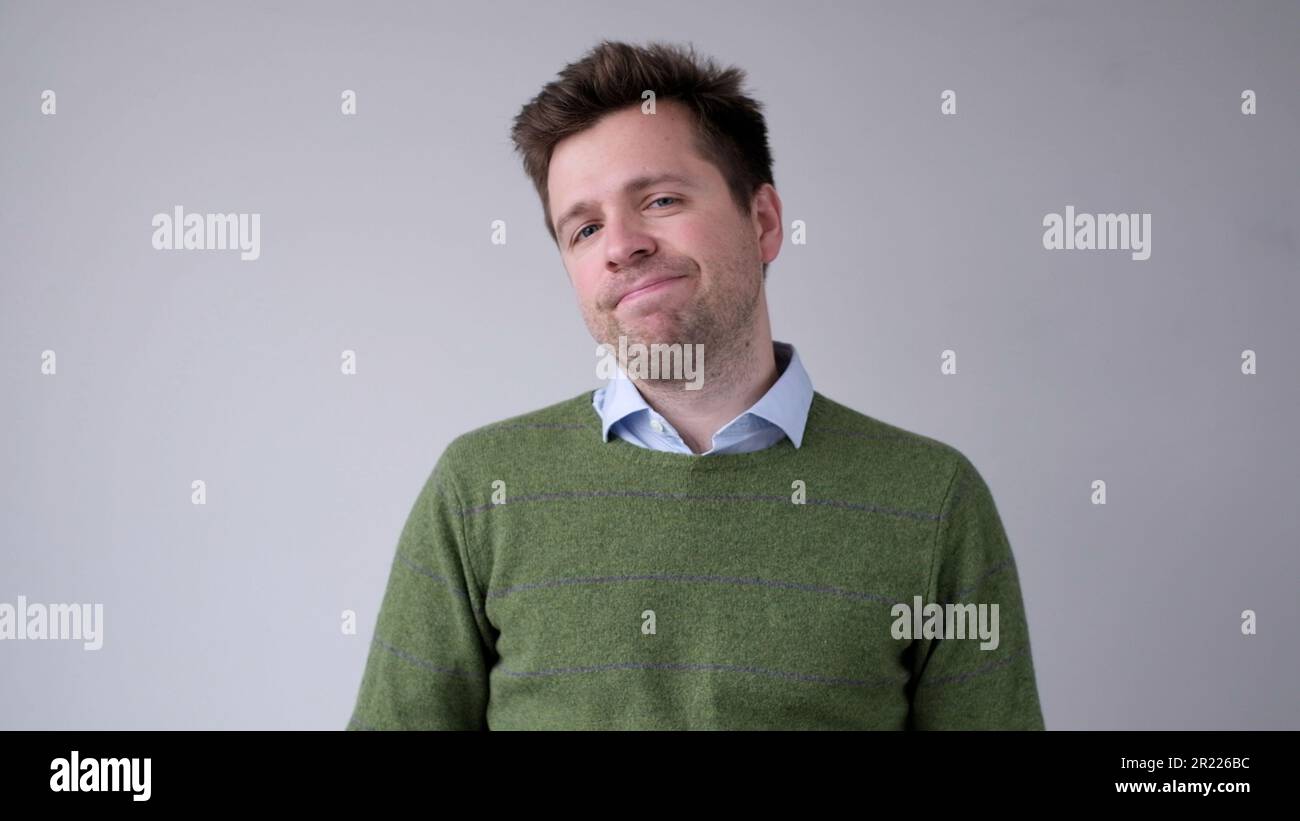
(546, 579)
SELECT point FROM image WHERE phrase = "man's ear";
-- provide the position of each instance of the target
(767, 221)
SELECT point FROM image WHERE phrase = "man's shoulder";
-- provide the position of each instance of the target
(855, 435)
(524, 436)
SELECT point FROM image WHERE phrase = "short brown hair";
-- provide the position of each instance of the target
(730, 129)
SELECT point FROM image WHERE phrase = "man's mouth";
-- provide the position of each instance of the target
(646, 288)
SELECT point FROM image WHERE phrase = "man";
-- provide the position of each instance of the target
(731, 550)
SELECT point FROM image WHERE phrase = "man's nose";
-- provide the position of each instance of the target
(626, 241)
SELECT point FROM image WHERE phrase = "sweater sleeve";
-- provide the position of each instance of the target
(971, 683)
(433, 646)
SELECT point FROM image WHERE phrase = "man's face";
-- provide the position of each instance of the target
(687, 229)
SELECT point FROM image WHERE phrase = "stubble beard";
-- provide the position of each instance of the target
(721, 324)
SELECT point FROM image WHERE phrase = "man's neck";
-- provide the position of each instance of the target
(730, 387)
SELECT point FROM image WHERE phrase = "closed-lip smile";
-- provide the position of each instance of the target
(643, 285)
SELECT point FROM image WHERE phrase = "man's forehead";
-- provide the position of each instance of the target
(670, 124)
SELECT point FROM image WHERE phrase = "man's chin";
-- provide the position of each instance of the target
(657, 326)
(648, 339)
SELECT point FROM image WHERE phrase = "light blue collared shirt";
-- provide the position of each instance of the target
(781, 412)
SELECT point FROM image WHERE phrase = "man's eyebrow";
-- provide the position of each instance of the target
(632, 186)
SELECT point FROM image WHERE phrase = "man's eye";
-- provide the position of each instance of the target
(580, 236)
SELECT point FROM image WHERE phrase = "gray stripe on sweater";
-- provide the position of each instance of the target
(688, 577)
(958, 678)
(730, 668)
(684, 577)
(697, 497)
(961, 678)
(451, 671)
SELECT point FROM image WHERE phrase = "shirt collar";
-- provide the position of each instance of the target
(785, 404)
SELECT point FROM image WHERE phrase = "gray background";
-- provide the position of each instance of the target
(924, 233)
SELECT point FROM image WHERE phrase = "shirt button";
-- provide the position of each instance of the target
(658, 428)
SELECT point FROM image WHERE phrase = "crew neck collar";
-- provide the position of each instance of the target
(628, 453)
